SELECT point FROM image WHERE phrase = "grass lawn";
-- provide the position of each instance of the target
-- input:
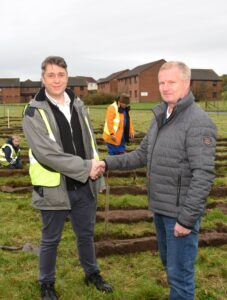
(137, 276)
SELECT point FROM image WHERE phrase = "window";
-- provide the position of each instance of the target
(130, 93)
(202, 84)
(135, 93)
(81, 88)
(130, 80)
(214, 95)
(135, 79)
(214, 83)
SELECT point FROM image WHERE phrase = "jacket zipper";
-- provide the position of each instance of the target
(178, 190)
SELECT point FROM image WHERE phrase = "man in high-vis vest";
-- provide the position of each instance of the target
(64, 172)
(118, 126)
(10, 153)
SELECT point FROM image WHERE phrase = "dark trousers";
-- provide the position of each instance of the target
(82, 216)
(16, 165)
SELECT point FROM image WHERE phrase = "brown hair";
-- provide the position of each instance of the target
(124, 98)
(53, 60)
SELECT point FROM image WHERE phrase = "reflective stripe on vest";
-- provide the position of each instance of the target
(95, 152)
(3, 159)
(116, 120)
(41, 176)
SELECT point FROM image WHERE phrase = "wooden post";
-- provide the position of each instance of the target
(8, 118)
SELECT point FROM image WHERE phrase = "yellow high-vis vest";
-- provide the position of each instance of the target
(41, 176)
(116, 120)
(95, 152)
(3, 159)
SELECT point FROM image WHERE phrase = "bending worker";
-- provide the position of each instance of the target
(10, 153)
(118, 125)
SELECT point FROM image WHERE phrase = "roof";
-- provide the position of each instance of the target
(88, 79)
(112, 76)
(139, 69)
(9, 82)
(204, 74)
(30, 84)
(77, 81)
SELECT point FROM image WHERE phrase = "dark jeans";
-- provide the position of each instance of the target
(16, 165)
(178, 255)
(82, 216)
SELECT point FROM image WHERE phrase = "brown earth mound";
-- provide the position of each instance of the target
(124, 216)
(12, 172)
(221, 157)
(220, 191)
(113, 247)
(221, 205)
(19, 190)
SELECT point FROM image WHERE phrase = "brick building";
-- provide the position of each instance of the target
(92, 85)
(78, 85)
(9, 90)
(206, 84)
(28, 89)
(12, 90)
(109, 85)
(141, 83)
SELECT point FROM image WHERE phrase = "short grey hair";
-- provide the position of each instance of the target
(53, 60)
(185, 70)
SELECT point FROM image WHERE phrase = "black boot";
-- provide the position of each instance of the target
(48, 291)
(96, 279)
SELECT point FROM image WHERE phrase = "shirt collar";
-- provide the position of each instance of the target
(53, 101)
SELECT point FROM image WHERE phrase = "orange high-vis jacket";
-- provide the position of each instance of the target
(114, 125)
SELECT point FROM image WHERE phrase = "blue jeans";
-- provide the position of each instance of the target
(115, 150)
(178, 256)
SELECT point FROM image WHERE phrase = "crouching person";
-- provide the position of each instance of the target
(10, 153)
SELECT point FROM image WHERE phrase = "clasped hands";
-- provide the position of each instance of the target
(98, 167)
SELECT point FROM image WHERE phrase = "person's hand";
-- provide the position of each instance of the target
(113, 137)
(94, 173)
(180, 230)
(97, 169)
(102, 167)
(131, 135)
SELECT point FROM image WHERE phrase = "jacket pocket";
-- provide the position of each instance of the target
(39, 190)
(178, 190)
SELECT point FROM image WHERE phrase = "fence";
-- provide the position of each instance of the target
(9, 111)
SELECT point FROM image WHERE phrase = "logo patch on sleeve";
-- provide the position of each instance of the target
(207, 140)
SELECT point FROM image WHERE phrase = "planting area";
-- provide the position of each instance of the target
(125, 237)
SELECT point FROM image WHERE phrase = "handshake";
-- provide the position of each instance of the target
(98, 167)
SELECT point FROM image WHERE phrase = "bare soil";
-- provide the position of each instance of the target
(113, 247)
(124, 216)
(19, 190)
(221, 205)
(220, 191)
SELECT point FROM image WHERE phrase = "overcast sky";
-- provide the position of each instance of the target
(100, 37)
